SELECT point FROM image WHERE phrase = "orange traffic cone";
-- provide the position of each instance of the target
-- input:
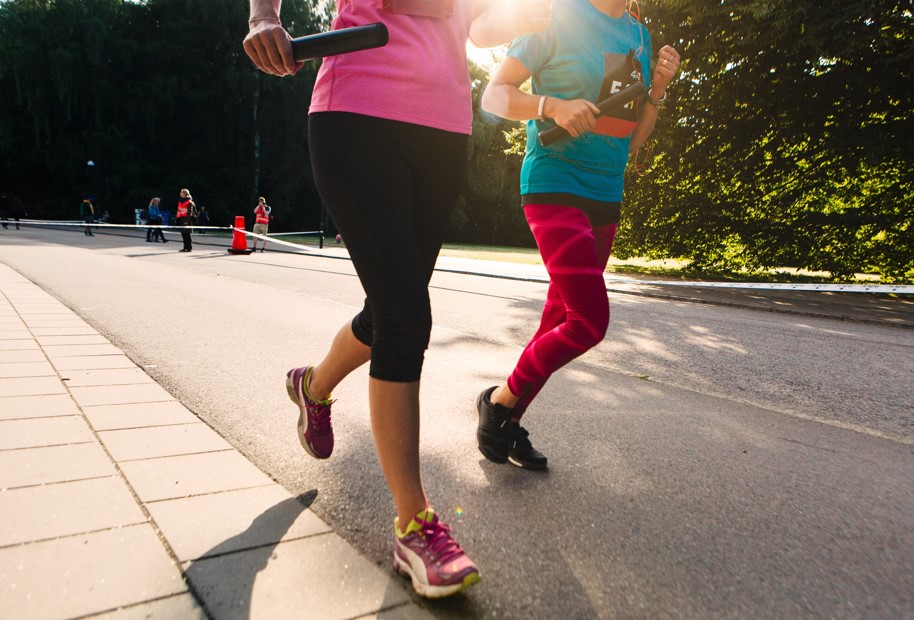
(239, 240)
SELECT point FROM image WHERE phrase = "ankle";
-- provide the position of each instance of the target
(405, 518)
(504, 397)
(313, 388)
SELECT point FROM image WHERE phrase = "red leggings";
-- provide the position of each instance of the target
(576, 314)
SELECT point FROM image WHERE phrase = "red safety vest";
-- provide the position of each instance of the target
(183, 207)
(263, 217)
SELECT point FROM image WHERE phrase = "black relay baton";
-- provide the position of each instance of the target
(340, 41)
(621, 98)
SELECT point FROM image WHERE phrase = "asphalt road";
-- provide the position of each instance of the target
(705, 461)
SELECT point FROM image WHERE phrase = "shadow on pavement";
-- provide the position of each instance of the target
(271, 525)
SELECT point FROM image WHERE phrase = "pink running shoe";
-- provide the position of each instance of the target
(314, 430)
(432, 558)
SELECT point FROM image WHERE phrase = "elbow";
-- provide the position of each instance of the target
(495, 100)
(486, 103)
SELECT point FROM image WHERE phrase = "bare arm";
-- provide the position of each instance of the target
(504, 98)
(667, 66)
(498, 21)
(267, 43)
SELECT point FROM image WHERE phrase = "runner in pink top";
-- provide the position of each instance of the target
(388, 131)
(419, 77)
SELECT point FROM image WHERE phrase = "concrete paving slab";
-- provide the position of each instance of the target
(152, 442)
(48, 511)
(78, 328)
(58, 351)
(183, 606)
(267, 582)
(14, 334)
(93, 362)
(20, 468)
(26, 369)
(18, 345)
(192, 474)
(23, 407)
(30, 386)
(119, 394)
(33, 354)
(46, 341)
(208, 525)
(78, 575)
(139, 415)
(40, 311)
(24, 299)
(106, 377)
(61, 322)
(40, 432)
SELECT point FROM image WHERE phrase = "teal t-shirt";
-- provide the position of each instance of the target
(583, 54)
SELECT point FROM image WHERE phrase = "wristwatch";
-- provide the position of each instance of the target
(658, 103)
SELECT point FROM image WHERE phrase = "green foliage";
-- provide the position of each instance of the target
(788, 141)
(489, 210)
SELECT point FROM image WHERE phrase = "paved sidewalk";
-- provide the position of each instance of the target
(116, 501)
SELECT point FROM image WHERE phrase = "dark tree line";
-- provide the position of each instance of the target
(786, 141)
(159, 96)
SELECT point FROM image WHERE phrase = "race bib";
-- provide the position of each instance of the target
(420, 8)
(619, 71)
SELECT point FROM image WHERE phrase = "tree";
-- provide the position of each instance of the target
(488, 209)
(787, 143)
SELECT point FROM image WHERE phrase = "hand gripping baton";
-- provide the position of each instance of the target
(340, 41)
(621, 98)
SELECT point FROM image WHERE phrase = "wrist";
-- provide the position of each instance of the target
(271, 19)
(541, 109)
(548, 109)
(656, 97)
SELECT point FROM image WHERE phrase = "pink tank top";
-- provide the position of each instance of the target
(419, 77)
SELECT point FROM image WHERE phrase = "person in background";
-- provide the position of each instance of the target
(17, 210)
(261, 221)
(388, 132)
(572, 190)
(202, 218)
(183, 217)
(87, 215)
(4, 208)
(154, 218)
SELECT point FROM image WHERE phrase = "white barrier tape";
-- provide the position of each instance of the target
(895, 289)
(271, 239)
(128, 226)
(302, 233)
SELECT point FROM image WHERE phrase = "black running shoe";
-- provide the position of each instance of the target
(502, 439)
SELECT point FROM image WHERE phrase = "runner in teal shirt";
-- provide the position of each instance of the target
(571, 190)
(570, 60)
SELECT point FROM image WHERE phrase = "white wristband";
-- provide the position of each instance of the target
(539, 111)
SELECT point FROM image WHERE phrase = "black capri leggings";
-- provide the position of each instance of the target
(390, 188)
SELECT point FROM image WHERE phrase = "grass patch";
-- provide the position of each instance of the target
(666, 268)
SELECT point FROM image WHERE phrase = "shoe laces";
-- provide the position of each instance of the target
(519, 436)
(319, 415)
(442, 547)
